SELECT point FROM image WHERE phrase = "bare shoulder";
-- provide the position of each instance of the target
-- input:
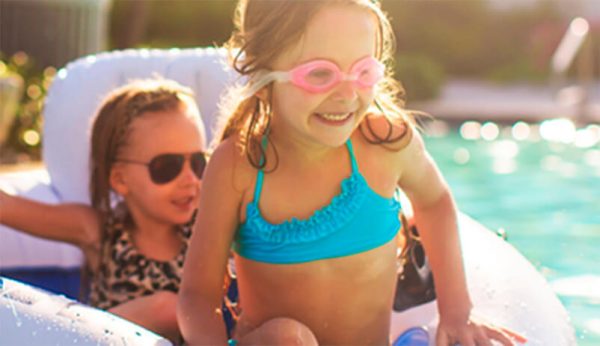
(229, 165)
(223, 190)
(397, 143)
(414, 169)
(391, 134)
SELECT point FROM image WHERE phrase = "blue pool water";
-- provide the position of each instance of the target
(546, 196)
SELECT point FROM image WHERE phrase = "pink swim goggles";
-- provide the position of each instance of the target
(320, 76)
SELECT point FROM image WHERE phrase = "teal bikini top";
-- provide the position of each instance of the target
(356, 220)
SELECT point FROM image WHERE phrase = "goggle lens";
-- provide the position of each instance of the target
(322, 75)
(368, 73)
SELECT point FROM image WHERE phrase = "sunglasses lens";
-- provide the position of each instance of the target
(165, 168)
(198, 162)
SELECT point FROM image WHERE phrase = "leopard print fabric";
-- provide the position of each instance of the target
(125, 274)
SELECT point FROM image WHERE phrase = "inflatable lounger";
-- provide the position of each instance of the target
(30, 316)
(72, 99)
(505, 288)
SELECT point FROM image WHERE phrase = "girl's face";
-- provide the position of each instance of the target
(341, 34)
(152, 134)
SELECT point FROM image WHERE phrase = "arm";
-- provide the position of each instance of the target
(201, 293)
(436, 217)
(72, 223)
(435, 214)
(163, 323)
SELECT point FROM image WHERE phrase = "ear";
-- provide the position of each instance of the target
(117, 180)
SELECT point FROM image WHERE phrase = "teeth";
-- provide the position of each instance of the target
(334, 117)
(183, 200)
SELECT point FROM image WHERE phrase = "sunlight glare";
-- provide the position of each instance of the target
(586, 138)
(489, 131)
(462, 156)
(520, 131)
(504, 166)
(579, 26)
(505, 149)
(551, 162)
(558, 130)
(62, 73)
(592, 158)
(31, 137)
(470, 130)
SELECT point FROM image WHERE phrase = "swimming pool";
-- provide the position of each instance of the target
(541, 185)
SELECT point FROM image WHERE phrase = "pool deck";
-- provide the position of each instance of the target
(20, 167)
(462, 100)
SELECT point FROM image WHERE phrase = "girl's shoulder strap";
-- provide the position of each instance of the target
(260, 175)
(352, 156)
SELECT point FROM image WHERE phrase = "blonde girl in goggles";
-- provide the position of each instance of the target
(303, 188)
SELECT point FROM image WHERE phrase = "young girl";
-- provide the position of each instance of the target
(303, 188)
(147, 160)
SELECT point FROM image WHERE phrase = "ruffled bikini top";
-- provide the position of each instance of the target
(356, 220)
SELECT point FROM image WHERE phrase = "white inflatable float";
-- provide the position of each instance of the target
(30, 316)
(505, 288)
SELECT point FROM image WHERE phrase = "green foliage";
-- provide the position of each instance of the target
(173, 23)
(24, 140)
(469, 39)
(451, 31)
(421, 76)
(434, 39)
(517, 71)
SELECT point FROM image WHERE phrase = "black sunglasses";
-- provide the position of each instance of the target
(166, 167)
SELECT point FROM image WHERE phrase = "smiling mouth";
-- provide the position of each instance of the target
(184, 202)
(335, 117)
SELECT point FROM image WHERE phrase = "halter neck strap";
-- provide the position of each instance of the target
(352, 157)
(260, 176)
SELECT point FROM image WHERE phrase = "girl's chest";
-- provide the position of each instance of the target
(283, 198)
(165, 249)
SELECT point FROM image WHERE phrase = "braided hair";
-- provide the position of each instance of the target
(112, 127)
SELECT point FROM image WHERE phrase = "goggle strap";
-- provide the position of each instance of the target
(263, 78)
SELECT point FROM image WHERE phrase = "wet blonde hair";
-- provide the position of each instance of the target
(262, 30)
(112, 127)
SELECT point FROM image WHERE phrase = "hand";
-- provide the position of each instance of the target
(475, 333)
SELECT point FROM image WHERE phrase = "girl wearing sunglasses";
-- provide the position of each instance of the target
(147, 163)
(303, 188)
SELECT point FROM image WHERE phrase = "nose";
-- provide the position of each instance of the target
(346, 91)
(187, 175)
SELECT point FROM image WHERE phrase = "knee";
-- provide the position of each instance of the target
(287, 331)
